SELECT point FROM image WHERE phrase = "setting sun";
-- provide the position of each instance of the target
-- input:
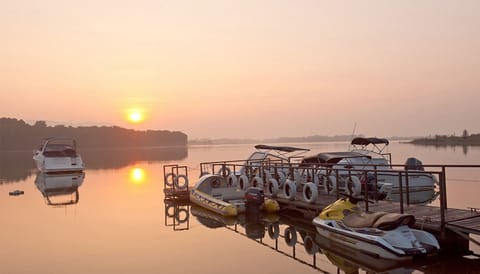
(135, 115)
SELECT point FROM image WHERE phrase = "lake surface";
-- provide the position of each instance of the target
(115, 220)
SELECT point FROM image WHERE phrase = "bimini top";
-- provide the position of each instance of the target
(281, 148)
(367, 141)
(332, 157)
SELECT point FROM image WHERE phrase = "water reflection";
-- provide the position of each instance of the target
(465, 148)
(59, 189)
(284, 233)
(137, 175)
(177, 215)
(16, 166)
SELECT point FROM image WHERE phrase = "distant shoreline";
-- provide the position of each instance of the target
(443, 140)
(284, 140)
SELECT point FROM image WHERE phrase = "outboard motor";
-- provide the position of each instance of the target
(413, 163)
(254, 198)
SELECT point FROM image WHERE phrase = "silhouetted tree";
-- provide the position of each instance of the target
(18, 135)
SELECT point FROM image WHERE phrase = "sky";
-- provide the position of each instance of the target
(245, 69)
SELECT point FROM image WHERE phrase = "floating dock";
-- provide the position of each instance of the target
(453, 227)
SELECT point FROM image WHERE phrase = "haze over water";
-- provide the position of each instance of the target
(120, 224)
(242, 68)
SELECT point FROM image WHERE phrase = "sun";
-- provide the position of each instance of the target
(135, 115)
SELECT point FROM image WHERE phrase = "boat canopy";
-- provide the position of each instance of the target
(332, 157)
(367, 141)
(281, 148)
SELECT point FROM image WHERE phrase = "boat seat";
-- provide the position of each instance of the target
(362, 219)
(227, 194)
(391, 221)
(237, 202)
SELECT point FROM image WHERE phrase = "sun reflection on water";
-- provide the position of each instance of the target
(137, 175)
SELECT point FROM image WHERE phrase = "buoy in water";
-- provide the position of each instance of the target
(16, 192)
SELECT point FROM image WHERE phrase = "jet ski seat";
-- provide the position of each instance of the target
(380, 220)
(362, 219)
(391, 221)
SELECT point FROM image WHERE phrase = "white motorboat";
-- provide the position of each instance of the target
(367, 157)
(58, 155)
(380, 234)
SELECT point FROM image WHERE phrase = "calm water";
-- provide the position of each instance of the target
(115, 220)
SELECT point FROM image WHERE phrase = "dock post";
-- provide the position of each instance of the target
(401, 191)
(338, 183)
(443, 198)
(407, 187)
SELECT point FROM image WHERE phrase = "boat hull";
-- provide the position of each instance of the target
(58, 164)
(216, 205)
(373, 246)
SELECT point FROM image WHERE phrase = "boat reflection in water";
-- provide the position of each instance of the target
(284, 233)
(59, 189)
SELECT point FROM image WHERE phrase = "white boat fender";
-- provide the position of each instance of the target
(181, 215)
(257, 182)
(232, 180)
(316, 179)
(290, 235)
(354, 186)
(179, 184)
(290, 189)
(170, 179)
(281, 178)
(224, 171)
(310, 192)
(273, 231)
(330, 184)
(268, 174)
(243, 183)
(272, 187)
(310, 246)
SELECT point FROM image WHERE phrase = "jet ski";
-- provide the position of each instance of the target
(378, 234)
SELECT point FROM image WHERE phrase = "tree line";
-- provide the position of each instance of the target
(443, 140)
(18, 135)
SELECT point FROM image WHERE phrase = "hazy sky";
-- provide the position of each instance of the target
(245, 68)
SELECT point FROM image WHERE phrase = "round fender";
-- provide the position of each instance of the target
(272, 187)
(181, 181)
(354, 186)
(310, 192)
(290, 189)
(232, 180)
(330, 184)
(310, 246)
(290, 235)
(316, 179)
(257, 182)
(181, 215)
(170, 179)
(299, 177)
(281, 178)
(243, 183)
(273, 231)
(268, 174)
(224, 171)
